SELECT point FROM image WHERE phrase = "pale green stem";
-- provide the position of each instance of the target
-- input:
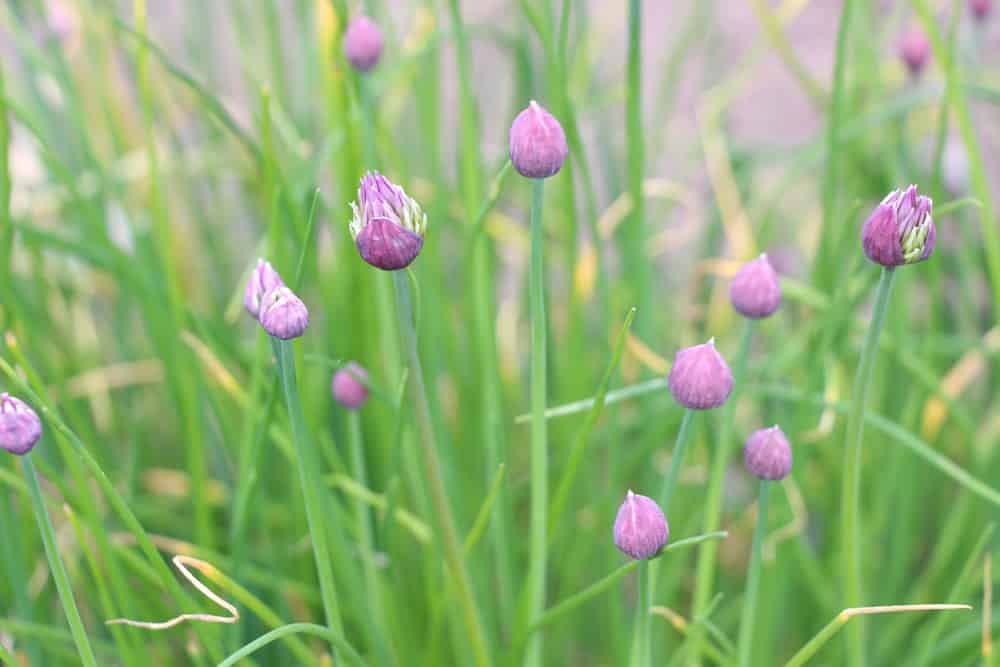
(753, 579)
(435, 479)
(335, 638)
(56, 566)
(539, 428)
(306, 460)
(851, 491)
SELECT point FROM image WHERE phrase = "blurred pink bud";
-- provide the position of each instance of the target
(755, 291)
(350, 386)
(700, 378)
(537, 143)
(641, 529)
(362, 43)
(981, 8)
(263, 279)
(282, 314)
(20, 427)
(915, 50)
(767, 454)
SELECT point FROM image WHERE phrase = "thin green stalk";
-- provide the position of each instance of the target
(640, 647)
(335, 638)
(539, 428)
(753, 579)
(379, 624)
(56, 566)
(851, 491)
(676, 460)
(636, 258)
(705, 574)
(306, 460)
(435, 479)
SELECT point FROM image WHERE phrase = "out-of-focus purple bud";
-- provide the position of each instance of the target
(955, 167)
(915, 50)
(900, 230)
(20, 427)
(350, 386)
(537, 143)
(388, 226)
(641, 529)
(282, 314)
(768, 454)
(755, 291)
(362, 43)
(263, 279)
(700, 379)
(981, 8)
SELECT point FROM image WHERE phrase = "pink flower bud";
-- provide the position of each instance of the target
(900, 230)
(282, 314)
(981, 8)
(20, 427)
(754, 291)
(768, 454)
(915, 50)
(263, 279)
(700, 378)
(537, 143)
(350, 386)
(641, 529)
(388, 226)
(362, 43)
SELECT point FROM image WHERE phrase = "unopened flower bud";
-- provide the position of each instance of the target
(263, 279)
(350, 386)
(767, 454)
(20, 427)
(362, 43)
(388, 226)
(915, 50)
(900, 230)
(981, 8)
(700, 378)
(755, 291)
(641, 529)
(537, 143)
(282, 314)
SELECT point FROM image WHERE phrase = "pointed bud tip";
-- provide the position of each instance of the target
(700, 379)
(755, 290)
(767, 454)
(538, 146)
(641, 530)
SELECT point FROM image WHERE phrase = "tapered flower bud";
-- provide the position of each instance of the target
(768, 454)
(901, 230)
(388, 226)
(263, 279)
(700, 379)
(282, 314)
(755, 291)
(641, 529)
(981, 8)
(20, 427)
(537, 143)
(350, 386)
(915, 50)
(362, 43)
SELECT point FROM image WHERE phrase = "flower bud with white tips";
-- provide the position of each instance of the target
(641, 529)
(537, 143)
(700, 379)
(900, 230)
(20, 427)
(388, 226)
(263, 279)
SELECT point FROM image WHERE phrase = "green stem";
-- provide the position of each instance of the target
(713, 504)
(636, 142)
(435, 479)
(641, 656)
(676, 460)
(539, 429)
(305, 458)
(753, 579)
(56, 566)
(850, 494)
(335, 638)
(367, 544)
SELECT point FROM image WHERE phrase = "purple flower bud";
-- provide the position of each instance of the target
(537, 143)
(915, 50)
(768, 454)
(981, 8)
(755, 292)
(641, 530)
(282, 314)
(700, 378)
(362, 43)
(20, 427)
(388, 226)
(263, 279)
(900, 230)
(350, 386)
